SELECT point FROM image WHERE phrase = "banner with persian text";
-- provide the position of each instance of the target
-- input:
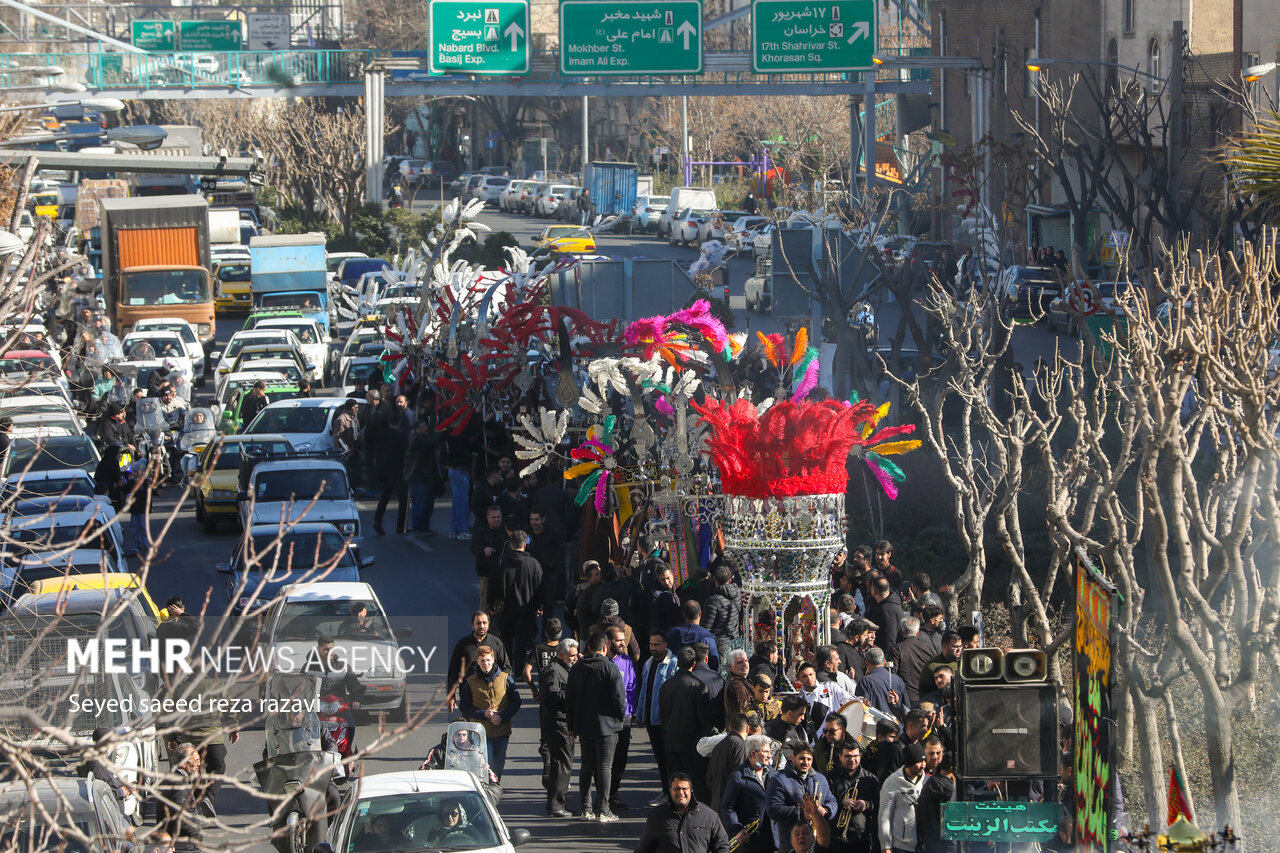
(1094, 748)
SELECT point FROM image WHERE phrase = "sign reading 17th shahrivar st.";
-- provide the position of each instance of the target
(812, 36)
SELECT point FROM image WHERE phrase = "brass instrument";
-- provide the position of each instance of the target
(750, 830)
(842, 822)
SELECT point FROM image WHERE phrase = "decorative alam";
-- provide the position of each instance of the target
(676, 419)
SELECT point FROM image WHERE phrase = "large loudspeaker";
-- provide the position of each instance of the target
(1010, 731)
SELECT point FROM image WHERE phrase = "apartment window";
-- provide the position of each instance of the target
(1031, 79)
(1153, 59)
(1113, 62)
(1126, 15)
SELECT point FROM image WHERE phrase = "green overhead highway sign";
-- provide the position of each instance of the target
(633, 37)
(210, 35)
(155, 35)
(798, 36)
(480, 36)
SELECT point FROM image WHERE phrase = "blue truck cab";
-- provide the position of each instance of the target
(288, 271)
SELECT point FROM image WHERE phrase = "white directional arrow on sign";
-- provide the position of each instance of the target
(862, 29)
(686, 29)
(515, 31)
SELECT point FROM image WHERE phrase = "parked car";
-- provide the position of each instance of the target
(489, 188)
(459, 183)
(80, 808)
(509, 196)
(719, 223)
(548, 202)
(647, 210)
(411, 172)
(685, 227)
(758, 289)
(567, 209)
(1113, 296)
(473, 183)
(1027, 291)
(761, 245)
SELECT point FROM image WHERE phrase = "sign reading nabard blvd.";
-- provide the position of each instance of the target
(480, 36)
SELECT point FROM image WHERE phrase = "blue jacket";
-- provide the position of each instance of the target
(744, 801)
(687, 633)
(647, 704)
(785, 793)
(875, 687)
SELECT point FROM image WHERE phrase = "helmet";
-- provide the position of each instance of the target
(170, 363)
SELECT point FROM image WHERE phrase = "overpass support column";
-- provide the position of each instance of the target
(375, 86)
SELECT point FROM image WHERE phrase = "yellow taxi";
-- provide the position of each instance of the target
(101, 580)
(45, 203)
(215, 475)
(566, 238)
(232, 288)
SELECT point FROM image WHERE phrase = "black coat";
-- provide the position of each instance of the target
(684, 706)
(421, 465)
(664, 609)
(911, 656)
(744, 802)
(521, 588)
(722, 613)
(862, 785)
(595, 699)
(698, 830)
(464, 655)
(888, 615)
(715, 689)
(553, 684)
(936, 791)
(483, 536)
(726, 758)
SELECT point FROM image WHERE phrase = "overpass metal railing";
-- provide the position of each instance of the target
(211, 69)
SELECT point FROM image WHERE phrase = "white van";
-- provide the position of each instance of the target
(684, 198)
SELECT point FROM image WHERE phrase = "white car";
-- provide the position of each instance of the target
(290, 489)
(190, 342)
(67, 481)
(301, 611)
(742, 232)
(311, 341)
(718, 224)
(35, 405)
(647, 210)
(40, 525)
(414, 802)
(354, 347)
(508, 198)
(36, 390)
(304, 422)
(762, 241)
(359, 369)
(549, 201)
(489, 188)
(685, 227)
(252, 337)
(163, 345)
(44, 423)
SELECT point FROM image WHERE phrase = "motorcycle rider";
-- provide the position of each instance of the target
(337, 678)
(160, 375)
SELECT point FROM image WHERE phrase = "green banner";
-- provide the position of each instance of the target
(210, 35)
(1000, 821)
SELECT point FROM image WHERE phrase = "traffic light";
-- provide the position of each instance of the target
(1008, 715)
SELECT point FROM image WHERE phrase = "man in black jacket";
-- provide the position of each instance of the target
(521, 593)
(664, 601)
(487, 540)
(684, 705)
(464, 653)
(885, 610)
(682, 824)
(596, 705)
(728, 755)
(722, 613)
(557, 743)
(857, 793)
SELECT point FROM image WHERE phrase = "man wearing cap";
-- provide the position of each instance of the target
(256, 403)
(610, 618)
(948, 658)
(898, 798)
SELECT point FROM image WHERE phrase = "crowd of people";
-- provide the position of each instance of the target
(759, 758)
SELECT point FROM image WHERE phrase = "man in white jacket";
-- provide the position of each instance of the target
(898, 798)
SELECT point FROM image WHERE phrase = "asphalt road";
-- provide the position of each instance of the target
(429, 586)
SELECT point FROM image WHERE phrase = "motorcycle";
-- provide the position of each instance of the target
(336, 718)
(465, 747)
(296, 769)
(149, 434)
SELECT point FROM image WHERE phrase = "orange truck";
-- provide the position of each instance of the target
(155, 262)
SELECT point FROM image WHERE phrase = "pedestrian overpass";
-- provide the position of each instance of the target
(341, 73)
